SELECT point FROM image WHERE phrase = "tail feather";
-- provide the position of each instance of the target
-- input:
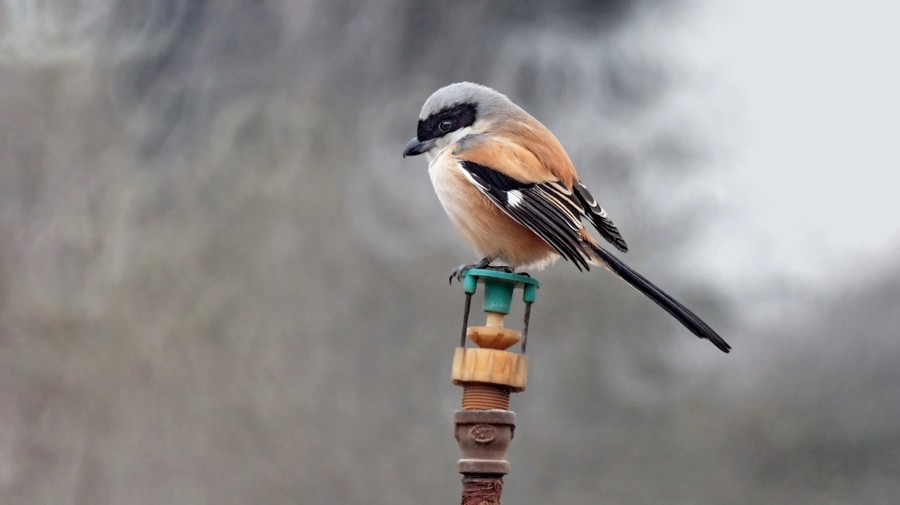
(672, 306)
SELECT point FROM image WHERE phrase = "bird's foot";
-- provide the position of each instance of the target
(523, 274)
(459, 272)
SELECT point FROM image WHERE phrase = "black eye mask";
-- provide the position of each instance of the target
(460, 116)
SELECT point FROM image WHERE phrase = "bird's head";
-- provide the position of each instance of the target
(454, 111)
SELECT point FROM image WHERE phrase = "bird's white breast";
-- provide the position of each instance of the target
(447, 177)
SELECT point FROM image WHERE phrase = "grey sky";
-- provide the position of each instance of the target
(805, 95)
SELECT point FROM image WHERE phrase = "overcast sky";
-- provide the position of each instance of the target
(807, 97)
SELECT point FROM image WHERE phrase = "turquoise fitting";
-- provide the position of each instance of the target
(499, 287)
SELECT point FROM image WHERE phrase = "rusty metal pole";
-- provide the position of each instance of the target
(488, 374)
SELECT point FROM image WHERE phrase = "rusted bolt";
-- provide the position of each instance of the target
(482, 433)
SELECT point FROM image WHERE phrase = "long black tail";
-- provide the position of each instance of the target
(677, 310)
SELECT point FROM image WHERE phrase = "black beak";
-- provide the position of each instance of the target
(415, 148)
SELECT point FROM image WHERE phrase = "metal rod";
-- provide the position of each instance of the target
(525, 329)
(465, 326)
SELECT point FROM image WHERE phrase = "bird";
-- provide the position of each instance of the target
(511, 190)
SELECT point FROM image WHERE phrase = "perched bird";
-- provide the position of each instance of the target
(511, 190)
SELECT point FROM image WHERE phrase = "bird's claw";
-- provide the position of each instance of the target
(460, 272)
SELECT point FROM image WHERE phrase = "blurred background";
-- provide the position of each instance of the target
(220, 283)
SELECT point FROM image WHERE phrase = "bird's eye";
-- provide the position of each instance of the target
(445, 125)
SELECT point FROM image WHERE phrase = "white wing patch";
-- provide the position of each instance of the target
(514, 198)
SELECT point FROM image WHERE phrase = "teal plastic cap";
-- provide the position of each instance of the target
(499, 287)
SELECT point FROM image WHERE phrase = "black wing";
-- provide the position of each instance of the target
(599, 218)
(549, 209)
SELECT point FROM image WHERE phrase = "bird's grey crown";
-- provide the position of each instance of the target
(488, 102)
